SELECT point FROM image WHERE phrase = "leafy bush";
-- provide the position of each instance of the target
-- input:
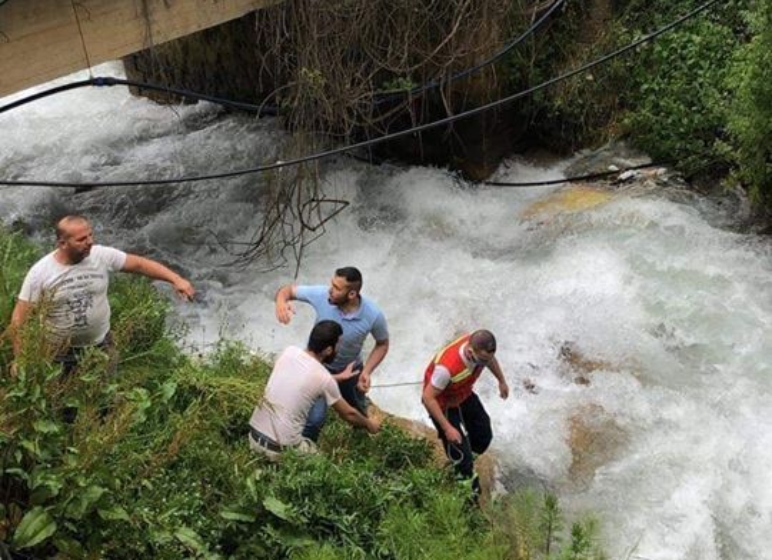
(750, 115)
(16, 256)
(669, 97)
(678, 107)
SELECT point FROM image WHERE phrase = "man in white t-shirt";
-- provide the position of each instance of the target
(297, 380)
(70, 287)
(359, 316)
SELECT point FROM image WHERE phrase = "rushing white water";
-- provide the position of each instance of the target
(670, 442)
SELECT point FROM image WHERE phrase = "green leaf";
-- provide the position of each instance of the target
(167, 390)
(190, 538)
(113, 514)
(31, 446)
(291, 538)
(45, 426)
(278, 508)
(69, 546)
(85, 500)
(35, 527)
(237, 515)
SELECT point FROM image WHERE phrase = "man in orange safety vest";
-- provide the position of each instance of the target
(462, 423)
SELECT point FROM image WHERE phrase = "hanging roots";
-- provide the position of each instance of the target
(343, 70)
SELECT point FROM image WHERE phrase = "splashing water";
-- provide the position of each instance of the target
(664, 319)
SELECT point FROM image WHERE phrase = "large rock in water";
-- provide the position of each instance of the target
(614, 156)
(575, 198)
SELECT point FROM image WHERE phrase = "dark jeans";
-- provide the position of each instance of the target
(318, 413)
(471, 419)
(71, 359)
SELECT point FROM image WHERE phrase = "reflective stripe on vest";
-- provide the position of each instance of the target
(462, 377)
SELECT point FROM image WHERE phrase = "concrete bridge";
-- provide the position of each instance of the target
(45, 39)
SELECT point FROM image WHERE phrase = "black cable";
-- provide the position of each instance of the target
(588, 177)
(373, 141)
(260, 109)
(528, 32)
(46, 93)
(110, 81)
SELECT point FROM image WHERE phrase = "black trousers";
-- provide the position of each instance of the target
(471, 419)
(71, 358)
(70, 361)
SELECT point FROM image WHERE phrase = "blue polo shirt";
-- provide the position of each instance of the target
(367, 319)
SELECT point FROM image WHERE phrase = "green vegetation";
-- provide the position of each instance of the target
(750, 115)
(156, 464)
(697, 97)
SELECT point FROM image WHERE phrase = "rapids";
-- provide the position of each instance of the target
(662, 317)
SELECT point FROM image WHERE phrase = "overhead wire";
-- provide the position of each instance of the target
(508, 47)
(373, 141)
(574, 178)
(261, 109)
(106, 81)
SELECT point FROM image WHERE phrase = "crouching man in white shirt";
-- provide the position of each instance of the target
(298, 378)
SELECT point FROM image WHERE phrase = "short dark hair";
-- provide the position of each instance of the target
(483, 340)
(352, 276)
(324, 334)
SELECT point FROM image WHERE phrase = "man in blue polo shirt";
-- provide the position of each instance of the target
(359, 316)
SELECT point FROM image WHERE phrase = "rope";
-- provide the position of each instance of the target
(378, 140)
(462, 430)
(396, 384)
(449, 453)
(82, 38)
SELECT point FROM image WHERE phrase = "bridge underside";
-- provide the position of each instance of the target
(43, 39)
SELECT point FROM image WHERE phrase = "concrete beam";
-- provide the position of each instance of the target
(45, 39)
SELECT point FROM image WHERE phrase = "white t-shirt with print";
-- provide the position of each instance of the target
(74, 296)
(296, 381)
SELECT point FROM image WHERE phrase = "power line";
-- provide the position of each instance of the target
(262, 109)
(436, 83)
(106, 81)
(587, 177)
(387, 137)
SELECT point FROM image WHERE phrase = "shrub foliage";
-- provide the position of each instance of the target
(696, 97)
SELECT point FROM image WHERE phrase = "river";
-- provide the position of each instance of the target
(668, 317)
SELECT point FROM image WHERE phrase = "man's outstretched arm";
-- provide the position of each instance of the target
(499, 375)
(354, 417)
(284, 307)
(157, 271)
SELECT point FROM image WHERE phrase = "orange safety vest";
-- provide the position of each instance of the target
(462, 378)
